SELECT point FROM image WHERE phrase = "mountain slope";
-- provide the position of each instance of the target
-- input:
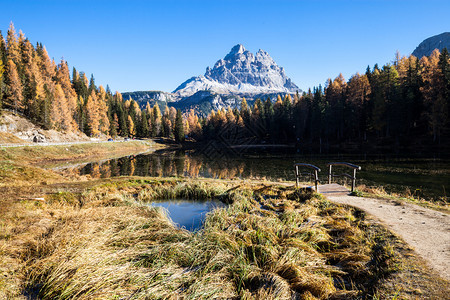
(152, 97)
(439, 41)
(240, 72)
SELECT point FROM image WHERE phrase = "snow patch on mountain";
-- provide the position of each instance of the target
(240, 72)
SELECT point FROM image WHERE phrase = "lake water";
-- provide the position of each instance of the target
(189, 214)
(426, 175)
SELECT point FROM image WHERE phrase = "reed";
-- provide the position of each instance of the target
(268, 243)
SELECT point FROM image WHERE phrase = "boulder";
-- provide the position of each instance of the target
(39, 138)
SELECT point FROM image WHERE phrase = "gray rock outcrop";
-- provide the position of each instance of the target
(439, 41)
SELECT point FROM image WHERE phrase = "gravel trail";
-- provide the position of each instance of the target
(426, 230)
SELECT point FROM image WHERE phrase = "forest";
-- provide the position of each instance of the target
(405, 102)
(401, 103)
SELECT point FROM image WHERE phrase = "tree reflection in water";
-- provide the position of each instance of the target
(164, 165)
(427, 176)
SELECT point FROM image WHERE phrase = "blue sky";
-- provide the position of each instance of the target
(156, 45)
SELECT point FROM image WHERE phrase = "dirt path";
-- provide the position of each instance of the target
(426, 230)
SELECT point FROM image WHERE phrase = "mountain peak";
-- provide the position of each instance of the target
(241, 72)
(236, 52)
(239, 48)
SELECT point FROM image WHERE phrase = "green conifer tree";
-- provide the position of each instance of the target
(179, 127)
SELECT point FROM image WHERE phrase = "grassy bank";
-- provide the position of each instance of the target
(105, 242)
(23, 165)
(380, 193)
(42, 155)
(65, 237)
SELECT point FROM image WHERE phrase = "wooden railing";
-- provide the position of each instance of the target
(314, 174)
(345, 164)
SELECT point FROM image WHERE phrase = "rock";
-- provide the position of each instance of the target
(39, 138)
(439, 41)
(149, 96)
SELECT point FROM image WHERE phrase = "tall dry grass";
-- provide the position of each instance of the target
(269, 243)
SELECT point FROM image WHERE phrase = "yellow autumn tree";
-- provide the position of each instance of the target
(231, 118)
(36, 82)
(13, 44)
(193, 126)
(47, 66)
(156, 121)
(103, 111)
(432, 91)
(63, 78)
(131, 127)
(148, 108)
(92, 115)
(358, 90)
(14, 97)
(60, 112)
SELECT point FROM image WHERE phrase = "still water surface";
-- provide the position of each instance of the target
(426, 176)
(189, 214)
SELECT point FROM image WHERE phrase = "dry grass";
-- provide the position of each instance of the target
(9, 138)
(407, 196)
(40, 155)
(269, 243)
(20, 171)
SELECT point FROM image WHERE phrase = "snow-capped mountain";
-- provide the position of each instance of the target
(240, 72)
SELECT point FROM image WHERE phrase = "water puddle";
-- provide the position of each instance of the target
(189, 214)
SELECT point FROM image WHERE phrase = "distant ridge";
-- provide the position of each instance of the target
(439, 41)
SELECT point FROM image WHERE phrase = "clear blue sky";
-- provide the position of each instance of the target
(156, 45)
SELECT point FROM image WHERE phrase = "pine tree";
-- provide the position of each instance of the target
(121, 114)
(179, 128)
(114, 125)
(80, 115)
(45, 108)
(92, 86)
(144, 125)
(358, 93)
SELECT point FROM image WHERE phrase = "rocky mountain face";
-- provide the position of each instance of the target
(240, 72)
(152, 97)
(439, 41)
(203, 102)
(144, 96)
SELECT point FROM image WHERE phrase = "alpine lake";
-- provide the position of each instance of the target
(425, 176)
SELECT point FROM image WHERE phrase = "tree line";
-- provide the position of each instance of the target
(35, 86)
(399, 103)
